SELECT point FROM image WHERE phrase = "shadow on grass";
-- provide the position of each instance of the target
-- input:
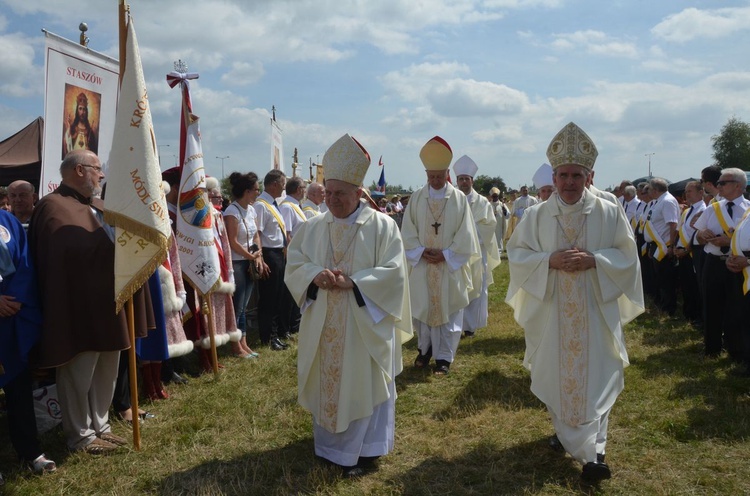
(290, 469)
(723, 414)
(507, 345)
(522, 469)
(491, 387)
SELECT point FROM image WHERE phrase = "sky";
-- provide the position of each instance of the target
(647, 80)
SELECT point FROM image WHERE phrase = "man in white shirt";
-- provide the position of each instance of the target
(715, 230)
(273, 237)
(660, 232)
(684, 251)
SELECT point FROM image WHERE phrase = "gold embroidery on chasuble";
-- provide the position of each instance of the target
(432, 239)
(574, 326)
(332, 339)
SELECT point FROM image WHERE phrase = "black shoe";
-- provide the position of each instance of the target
(177, 379)
(554, 443)
(353, 472)
(595, 472)
(442, 367)
(468, 334)
(278, 345)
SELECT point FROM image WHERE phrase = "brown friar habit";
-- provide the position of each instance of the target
(74, 257)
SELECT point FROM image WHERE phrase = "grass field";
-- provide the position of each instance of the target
(680, 427)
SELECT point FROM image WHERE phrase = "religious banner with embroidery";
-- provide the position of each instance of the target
(135, 204)
(194, 230)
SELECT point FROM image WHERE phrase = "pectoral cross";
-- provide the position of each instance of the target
(436, 225)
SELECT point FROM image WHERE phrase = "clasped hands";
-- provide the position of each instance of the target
(333, 279)
(572, 260)
(433, 255)
(9, 306)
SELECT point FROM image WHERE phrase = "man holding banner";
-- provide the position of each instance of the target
(82, 335)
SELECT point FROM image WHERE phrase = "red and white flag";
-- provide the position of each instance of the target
(194, 228)
(135, 204)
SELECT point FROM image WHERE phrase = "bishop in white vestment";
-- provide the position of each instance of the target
(347, 271)
(441, 244)
(477, 311)
(575, 282)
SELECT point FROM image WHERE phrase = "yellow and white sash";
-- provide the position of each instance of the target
(728, 230)
(735, 244)
(310, 209)
(296, 209)
(276, 215)
(684, 241)
(661, 247)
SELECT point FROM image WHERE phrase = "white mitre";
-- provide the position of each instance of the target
(465, 166)
(543, 176)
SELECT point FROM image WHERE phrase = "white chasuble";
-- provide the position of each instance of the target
(449, 227)
(348, 355)
(575, 346)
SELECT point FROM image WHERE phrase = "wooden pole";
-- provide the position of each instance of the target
(123, 36)
(208, 311)
(133, 376)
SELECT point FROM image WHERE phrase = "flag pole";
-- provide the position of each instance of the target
(133, 377)
(132, 365)
(208, 311)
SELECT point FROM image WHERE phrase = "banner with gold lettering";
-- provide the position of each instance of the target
(80, 102)
(134, 201)
(194, 229)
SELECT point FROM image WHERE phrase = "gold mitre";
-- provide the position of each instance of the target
(572, 146)
(346, 160)
(436, 154)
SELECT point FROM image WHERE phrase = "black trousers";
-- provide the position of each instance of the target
(271, 296)
(722, 315)
(21, 418)
(665, 274)
(121, 397)
(688, 282)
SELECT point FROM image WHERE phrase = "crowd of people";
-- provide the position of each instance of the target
(351, 279)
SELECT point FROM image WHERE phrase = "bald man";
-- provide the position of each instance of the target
(22, 196)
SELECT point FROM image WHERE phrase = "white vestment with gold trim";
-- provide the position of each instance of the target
(575, 348)
(348, 354)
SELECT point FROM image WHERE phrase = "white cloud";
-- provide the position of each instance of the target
(595, 43)
(17, 68)
(243, 73)
(467, 97)
(694, 23)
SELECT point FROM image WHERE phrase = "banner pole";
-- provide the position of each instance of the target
(133, 377)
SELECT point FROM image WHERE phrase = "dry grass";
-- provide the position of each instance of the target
(680, 427)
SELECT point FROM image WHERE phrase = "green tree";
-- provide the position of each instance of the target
(732, 145)
(483, 184)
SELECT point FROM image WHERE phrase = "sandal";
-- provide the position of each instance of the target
(442, 367)
(99, 447)
(422, 361)
(43, 465)
(111, 438)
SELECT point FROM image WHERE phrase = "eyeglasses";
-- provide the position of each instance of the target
(722, 183)
(215, 199)
(95, 167)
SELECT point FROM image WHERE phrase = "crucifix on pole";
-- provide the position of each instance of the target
(222, 164)
(649, 162)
